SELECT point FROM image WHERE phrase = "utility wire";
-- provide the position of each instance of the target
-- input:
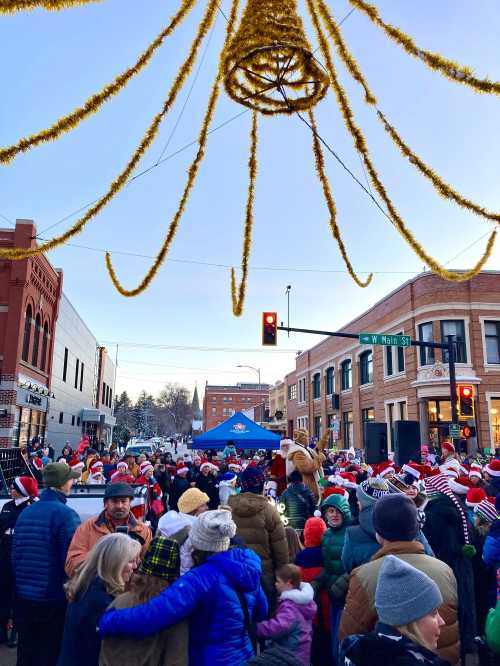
(4, 217)
(145, 345)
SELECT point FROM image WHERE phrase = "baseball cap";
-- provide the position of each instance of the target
(55, 475)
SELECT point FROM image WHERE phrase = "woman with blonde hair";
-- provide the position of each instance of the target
(100, 578)
(407, 633)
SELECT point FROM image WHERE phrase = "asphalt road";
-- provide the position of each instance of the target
(7, 656)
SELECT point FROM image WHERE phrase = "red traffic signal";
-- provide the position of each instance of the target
(269, 329)
(466, 401)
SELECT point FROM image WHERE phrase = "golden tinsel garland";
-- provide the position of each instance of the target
(147, 140)
(238, 294)
(452, 70)
(442, 188)
(270, 52)
(192, 173)
(12, 6)
(95, 102)
(360, 144)
(332, 209)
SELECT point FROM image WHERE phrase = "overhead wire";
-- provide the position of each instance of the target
(245, 350)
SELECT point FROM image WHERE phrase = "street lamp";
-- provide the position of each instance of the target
(250, 367)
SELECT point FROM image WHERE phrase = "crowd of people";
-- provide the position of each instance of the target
(305, 556)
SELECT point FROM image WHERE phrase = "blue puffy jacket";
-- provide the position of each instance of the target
(41, 540)
(206, 595)
(491, 548)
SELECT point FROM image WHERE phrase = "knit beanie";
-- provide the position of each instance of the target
(212, 531)
(369, 491)
(395, 518)
(252, 480)
(314, 530)
(192, 499)
(404, 594)
(162, 559)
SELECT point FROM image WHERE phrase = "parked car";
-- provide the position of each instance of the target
(137, 449)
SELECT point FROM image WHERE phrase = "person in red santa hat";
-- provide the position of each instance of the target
(23, 492)
(447, 451)
(278, 466)
(96, 476)
(77, 465)
(122, 474)
(179, 485)
(491, 473)
(476, 475)
(154, 505)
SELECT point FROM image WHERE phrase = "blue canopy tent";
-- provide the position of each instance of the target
(242, 431)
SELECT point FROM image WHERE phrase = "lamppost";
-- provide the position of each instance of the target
(250, 367)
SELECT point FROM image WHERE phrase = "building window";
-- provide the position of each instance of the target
(61, 417)
(81, 375)
(65, 365)
(346, 372)
(347, 435)
(389, 369)
(366, 367)
(77, 370)
(402, 410)
(394, 359)
(45, 340)
(214, 411)
(425, 334)
(367, 415)
(36, 341)
(492, 339)
(455, 328)
(72, 420)
(401, 358)
(316, 386)
(27, 334)
(78, 421)
(330, 381)
(214, 398)
(317, 427)
(495, 421)
(103, 395)
(292, 392)
(302, 390)
(110, 398)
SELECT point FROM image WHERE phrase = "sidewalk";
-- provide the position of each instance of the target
(7, 656)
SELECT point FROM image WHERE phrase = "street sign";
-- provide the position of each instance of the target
(454, 430)
(387, 340)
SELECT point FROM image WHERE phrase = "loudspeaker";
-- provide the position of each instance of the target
(406, 442)
(335, 401)
(375, 442)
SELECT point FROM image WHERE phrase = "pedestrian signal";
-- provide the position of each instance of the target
(269, 329)
(466, 401)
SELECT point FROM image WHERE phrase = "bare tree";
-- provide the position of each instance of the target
(174, 403)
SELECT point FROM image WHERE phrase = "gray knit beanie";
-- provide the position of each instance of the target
(404, 594)
(212, 531)
(369, 491)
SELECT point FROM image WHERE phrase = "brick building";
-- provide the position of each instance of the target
(341, 380)
(221, 402)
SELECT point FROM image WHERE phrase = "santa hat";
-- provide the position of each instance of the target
(209, 465)
(447, 447)
(349, 479)
(121, 465)
(474, 497)
(412, 469)
(386, 468)
(450, 468)
(460, 485)
(335, 491)
(235, 466)
(146, 466)
(181, 469)
(475, 466)
(76, 464)
(96, 467)
(26, 485)
(486, 510)
(493, 468)
(475, 473)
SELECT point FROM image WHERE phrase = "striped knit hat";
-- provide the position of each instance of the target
(486, 511)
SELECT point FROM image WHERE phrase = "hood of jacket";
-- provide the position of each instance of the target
(341, 504)
(303, 600)
(241, 566)
(365, 519)
(247, 504)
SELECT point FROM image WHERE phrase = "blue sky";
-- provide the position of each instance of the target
(54, 61)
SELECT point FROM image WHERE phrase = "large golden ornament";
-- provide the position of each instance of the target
(266, 64)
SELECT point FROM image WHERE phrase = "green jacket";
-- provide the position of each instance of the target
(334, 578)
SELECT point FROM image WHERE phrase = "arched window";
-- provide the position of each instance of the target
(27, 334)
(45, 341)
(36, 341)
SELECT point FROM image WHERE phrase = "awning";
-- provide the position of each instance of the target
(96, 416)
(242, 431)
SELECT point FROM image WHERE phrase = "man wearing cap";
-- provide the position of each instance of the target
(116, 517)
(395, 520)
(41, 540)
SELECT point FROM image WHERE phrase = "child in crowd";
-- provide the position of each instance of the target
(227, 487)
(291, 626)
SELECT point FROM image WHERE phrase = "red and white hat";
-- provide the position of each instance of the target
(475, 470)
(146, 466)
(96, 467)
(181, 468)
(493, 468)
(335, 490)
(76, 464)
(447, 447)
(450, 468)
(412, 469)
(460, 485)
(26, 485)
(486, 510)
(121, 465)
(236, 467)
(474, 497)
(349, 479)
(386, 468)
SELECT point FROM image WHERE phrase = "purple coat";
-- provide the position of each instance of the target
(291, 627)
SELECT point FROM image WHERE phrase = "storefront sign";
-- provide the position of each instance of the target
(27, 398)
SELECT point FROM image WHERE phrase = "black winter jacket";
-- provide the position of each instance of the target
(299, 503)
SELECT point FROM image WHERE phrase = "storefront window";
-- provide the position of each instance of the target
(495, 421)
(439, 421)
(347, 429)
(30, 423)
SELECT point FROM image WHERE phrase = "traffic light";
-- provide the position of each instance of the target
(269, 329)
(466, 401)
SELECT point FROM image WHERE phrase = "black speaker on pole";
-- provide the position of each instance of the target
(406, 442)
(375, 442)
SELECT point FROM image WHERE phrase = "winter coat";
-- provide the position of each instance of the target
(8, 518)
(81, 642)
(207, 596)
(291, 626)
(41, 540)
(208, 484)
(93, 529)
(491, 548)
(123, 477)
(275, 656)
(310, 561)
(299, 503)
(259, 525)
(226, 490)
(361, 543)
(166, 648)
(492, 489)
(179, 486)
(333, 578)
(229, 452)
(360, 616)
(387, 646)
(309, 463)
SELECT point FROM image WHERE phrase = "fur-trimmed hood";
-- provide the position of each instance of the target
(302, 596)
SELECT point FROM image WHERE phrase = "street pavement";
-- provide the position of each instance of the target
(7, 656)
